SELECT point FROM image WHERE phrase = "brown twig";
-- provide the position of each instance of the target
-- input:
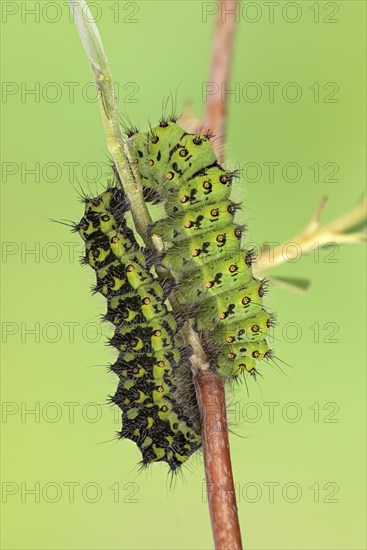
(217, 461)
(222, 54)
(209, 387)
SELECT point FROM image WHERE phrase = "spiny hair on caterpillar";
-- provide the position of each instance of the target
(164, 120)
(130, 129)
(127, 125)
(170, 104)
(270, 360)
(89, 194)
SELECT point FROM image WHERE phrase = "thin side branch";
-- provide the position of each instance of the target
(345, 229)
(222, 56)
(216, 110)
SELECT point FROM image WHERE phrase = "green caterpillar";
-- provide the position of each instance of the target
(157, 416)
(212, 272)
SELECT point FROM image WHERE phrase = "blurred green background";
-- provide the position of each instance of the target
(297, 440)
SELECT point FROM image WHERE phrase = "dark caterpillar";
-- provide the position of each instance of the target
(162, 422)
(212, 272)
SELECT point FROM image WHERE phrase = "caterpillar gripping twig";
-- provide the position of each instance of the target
(213, 273)
(159, 419)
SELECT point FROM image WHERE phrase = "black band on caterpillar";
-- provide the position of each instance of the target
(212, 272)
(163, 423)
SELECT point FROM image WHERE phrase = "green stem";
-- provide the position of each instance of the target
(125, 165)
(117, 146)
